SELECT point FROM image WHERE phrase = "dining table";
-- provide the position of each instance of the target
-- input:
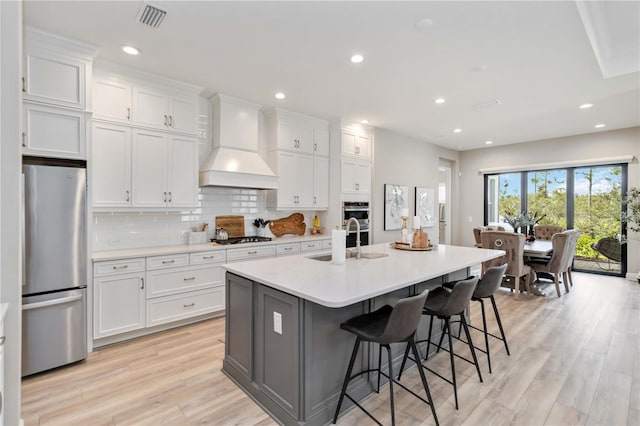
(537, 248)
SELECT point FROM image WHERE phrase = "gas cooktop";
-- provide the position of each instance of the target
(241, 240)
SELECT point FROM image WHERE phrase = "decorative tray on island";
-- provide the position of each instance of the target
(406, 246)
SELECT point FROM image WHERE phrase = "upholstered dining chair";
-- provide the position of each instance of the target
(513, 244)
(559, 261)
(545, 232)
(575, 235)
(479, 230)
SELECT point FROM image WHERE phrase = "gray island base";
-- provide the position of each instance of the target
(283, 344)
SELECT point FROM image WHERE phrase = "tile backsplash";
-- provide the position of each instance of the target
(122, 230)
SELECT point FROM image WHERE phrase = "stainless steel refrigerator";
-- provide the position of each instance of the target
(54, 319)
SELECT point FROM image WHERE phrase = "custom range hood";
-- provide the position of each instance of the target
(234, 160)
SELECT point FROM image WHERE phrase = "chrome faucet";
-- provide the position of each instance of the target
(357, 250)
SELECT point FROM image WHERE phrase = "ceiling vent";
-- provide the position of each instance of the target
(151, 16)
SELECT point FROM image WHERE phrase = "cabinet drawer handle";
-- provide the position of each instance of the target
(24, 86)
(207, 257)
(128, 197)
(165, 197)
(128, 113)
(252, 252)
(189, 279)
(288, 248)
(24, 139)
(121, 267)
(310, 245)
(164, 262)
(142, 283)
(170, 196)
(189, 305)
(171, 121)
(166, 120)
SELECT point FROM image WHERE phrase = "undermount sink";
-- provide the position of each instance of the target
(327, 257)
(373, 255)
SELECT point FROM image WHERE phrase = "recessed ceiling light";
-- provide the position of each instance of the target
(356, 59)
(488, 142)
(440, 101)
(364, 121)
(585, 106)
(457, 130)
(280, 95)
(130, 50)
(599, 126)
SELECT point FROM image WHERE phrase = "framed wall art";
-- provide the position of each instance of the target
(396, 200)
(425, 206)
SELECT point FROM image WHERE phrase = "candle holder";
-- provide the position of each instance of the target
(403, 232)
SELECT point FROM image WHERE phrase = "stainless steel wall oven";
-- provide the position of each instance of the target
(360, 211)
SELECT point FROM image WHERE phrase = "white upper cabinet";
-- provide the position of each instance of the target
(149, 168)
(320, 183)
(182, 183)
(356, 143)
(356, 177)
(111, 100)
(53, 132)
(321, 141)
(298, 152)
(111, 165)
(295, 136)
(157, 109)
(54, 79)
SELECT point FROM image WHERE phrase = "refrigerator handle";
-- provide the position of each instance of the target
(23, 230)
(53, 302)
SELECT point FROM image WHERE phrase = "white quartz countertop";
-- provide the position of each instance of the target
(335, 286)
(190, 248)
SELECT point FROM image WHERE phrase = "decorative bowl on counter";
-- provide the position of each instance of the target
(316, 231)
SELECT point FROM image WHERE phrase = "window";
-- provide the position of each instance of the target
(585, 198)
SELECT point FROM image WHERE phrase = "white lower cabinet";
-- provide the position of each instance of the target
(179, 280)
(167, 309)
(119, 304)
(287, 249)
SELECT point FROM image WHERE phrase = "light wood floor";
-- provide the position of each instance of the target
(574, 360)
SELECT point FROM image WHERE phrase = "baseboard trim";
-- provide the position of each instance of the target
(632, 276)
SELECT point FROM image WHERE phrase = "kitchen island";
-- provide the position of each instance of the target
(284, 346)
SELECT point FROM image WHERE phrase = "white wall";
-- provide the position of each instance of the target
(10, 289)
(402, 160)
(591, 146)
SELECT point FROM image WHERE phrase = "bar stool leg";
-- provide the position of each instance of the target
(404, 361)
(442, 335)
(379, 366)
(495, 311)
(486, 334)
(429, 338)
(390, 361)
(451, 357)
(352, 361)
(473, 352)
(416, 355)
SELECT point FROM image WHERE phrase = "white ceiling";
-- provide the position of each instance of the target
(536, 58)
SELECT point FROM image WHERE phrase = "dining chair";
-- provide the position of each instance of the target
(513, 244)
(575, 236)
(559, 261)
(545, 232)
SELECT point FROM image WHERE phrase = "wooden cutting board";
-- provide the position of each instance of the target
(233, 224)
(293, 224)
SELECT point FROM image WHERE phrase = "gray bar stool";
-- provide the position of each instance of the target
(387, 325)
(444, 304)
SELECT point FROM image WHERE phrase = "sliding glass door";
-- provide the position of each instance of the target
(588, 199)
